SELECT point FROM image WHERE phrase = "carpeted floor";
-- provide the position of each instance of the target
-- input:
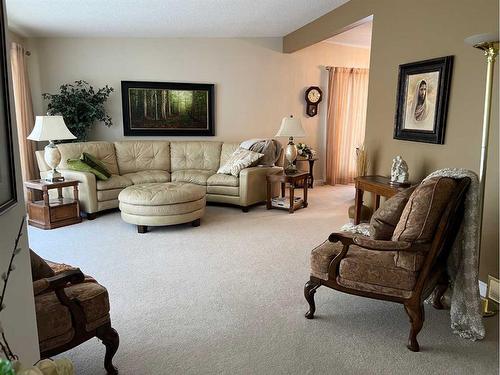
(227, 298)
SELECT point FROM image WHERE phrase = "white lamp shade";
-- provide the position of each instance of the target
(50, 128)
(481, 38)
(290, 127)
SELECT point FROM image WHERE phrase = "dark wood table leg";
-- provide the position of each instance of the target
(311, 177)
(268, 200)
(282, 190)
(305, 193)
(358, 204)
(377, 201)
(59, 193)
(46, 198)
(292, 191)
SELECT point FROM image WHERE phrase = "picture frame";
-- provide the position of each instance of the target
(168, 109)
(422, 100)
(8, 192)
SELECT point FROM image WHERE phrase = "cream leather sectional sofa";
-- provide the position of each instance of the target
(137, 162)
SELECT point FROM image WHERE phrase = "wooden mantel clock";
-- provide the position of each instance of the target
(313, 98)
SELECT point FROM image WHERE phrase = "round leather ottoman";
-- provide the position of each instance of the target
(162, 203)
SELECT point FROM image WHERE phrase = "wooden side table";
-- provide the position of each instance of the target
(52, 213)
(311, 167)
(379, 186)
(292, 179)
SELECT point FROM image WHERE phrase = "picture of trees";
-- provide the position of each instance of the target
(168, 108)
(164, 108)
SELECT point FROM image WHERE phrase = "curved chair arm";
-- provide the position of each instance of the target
(347, 240)
(381, 245)
(57, 284)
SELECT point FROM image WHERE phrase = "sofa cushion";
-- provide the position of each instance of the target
(157, 194)
(114, 182)
(193, 176)
(219, 179)
(233, 191)
(385, 219)
(148, 176)
(138, 156)
(227, 151)
(195, 155)
(423, 210)
(107, 195)
(103, 151)
(40, 269)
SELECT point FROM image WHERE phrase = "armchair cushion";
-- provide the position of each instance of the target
(421, 214)
(385, 219)
(54, 319)
(376, 268)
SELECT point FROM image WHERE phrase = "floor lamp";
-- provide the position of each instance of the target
(489, 44)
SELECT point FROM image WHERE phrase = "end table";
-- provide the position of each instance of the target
(311, 167)
(292, 180)
(52, 213)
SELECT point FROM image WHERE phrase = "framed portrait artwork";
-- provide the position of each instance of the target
(8, 196)
(167, 108)
(422, 100)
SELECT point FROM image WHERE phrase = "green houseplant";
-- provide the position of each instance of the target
(80, 105)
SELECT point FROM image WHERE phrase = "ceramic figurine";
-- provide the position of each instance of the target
(399, 171)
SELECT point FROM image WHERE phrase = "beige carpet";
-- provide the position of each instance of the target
(226, 298)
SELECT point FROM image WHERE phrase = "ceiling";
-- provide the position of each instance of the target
(163, 18)
(358, 36)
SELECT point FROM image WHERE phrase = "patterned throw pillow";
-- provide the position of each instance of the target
(240, 159)
(95, 163)
(80, 166)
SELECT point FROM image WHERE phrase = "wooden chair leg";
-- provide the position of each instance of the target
(309, 290)
(111, 341)
(416, 314)
(439, 292)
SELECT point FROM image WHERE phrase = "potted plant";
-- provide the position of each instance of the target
(80, 105)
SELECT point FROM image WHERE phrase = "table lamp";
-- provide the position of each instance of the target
(51, 128)
(290, 127)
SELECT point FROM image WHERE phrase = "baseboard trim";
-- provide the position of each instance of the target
(319, 182)
(482, 288)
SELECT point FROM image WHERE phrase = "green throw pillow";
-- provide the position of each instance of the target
(95, 163)
(80, 166)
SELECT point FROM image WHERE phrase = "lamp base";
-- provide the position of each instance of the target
(54, 176)
(290, 156)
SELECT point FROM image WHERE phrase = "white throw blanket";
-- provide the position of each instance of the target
(463, 261)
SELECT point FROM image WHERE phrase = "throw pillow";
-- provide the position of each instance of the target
(95, 163)
(39, 267)
(385, 219)
(239, 160)
(423, 211)
(80, 166)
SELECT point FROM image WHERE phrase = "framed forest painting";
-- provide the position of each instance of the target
(422, 100)
(167, 108)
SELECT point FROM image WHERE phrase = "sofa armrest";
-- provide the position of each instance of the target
(253, 184)
(87, 188)
(381, 245)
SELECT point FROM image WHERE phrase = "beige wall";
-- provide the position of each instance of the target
(256, 84)
(406, 31)
(18, 318)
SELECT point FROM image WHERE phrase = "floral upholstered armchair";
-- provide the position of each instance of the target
(71, 308)
(404, 258)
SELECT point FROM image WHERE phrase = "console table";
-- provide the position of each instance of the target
(52, 213)
(379, 186)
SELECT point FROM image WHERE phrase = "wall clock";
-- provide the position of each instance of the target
(313, 98)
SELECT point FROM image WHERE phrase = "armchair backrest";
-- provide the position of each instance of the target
(445, 233)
